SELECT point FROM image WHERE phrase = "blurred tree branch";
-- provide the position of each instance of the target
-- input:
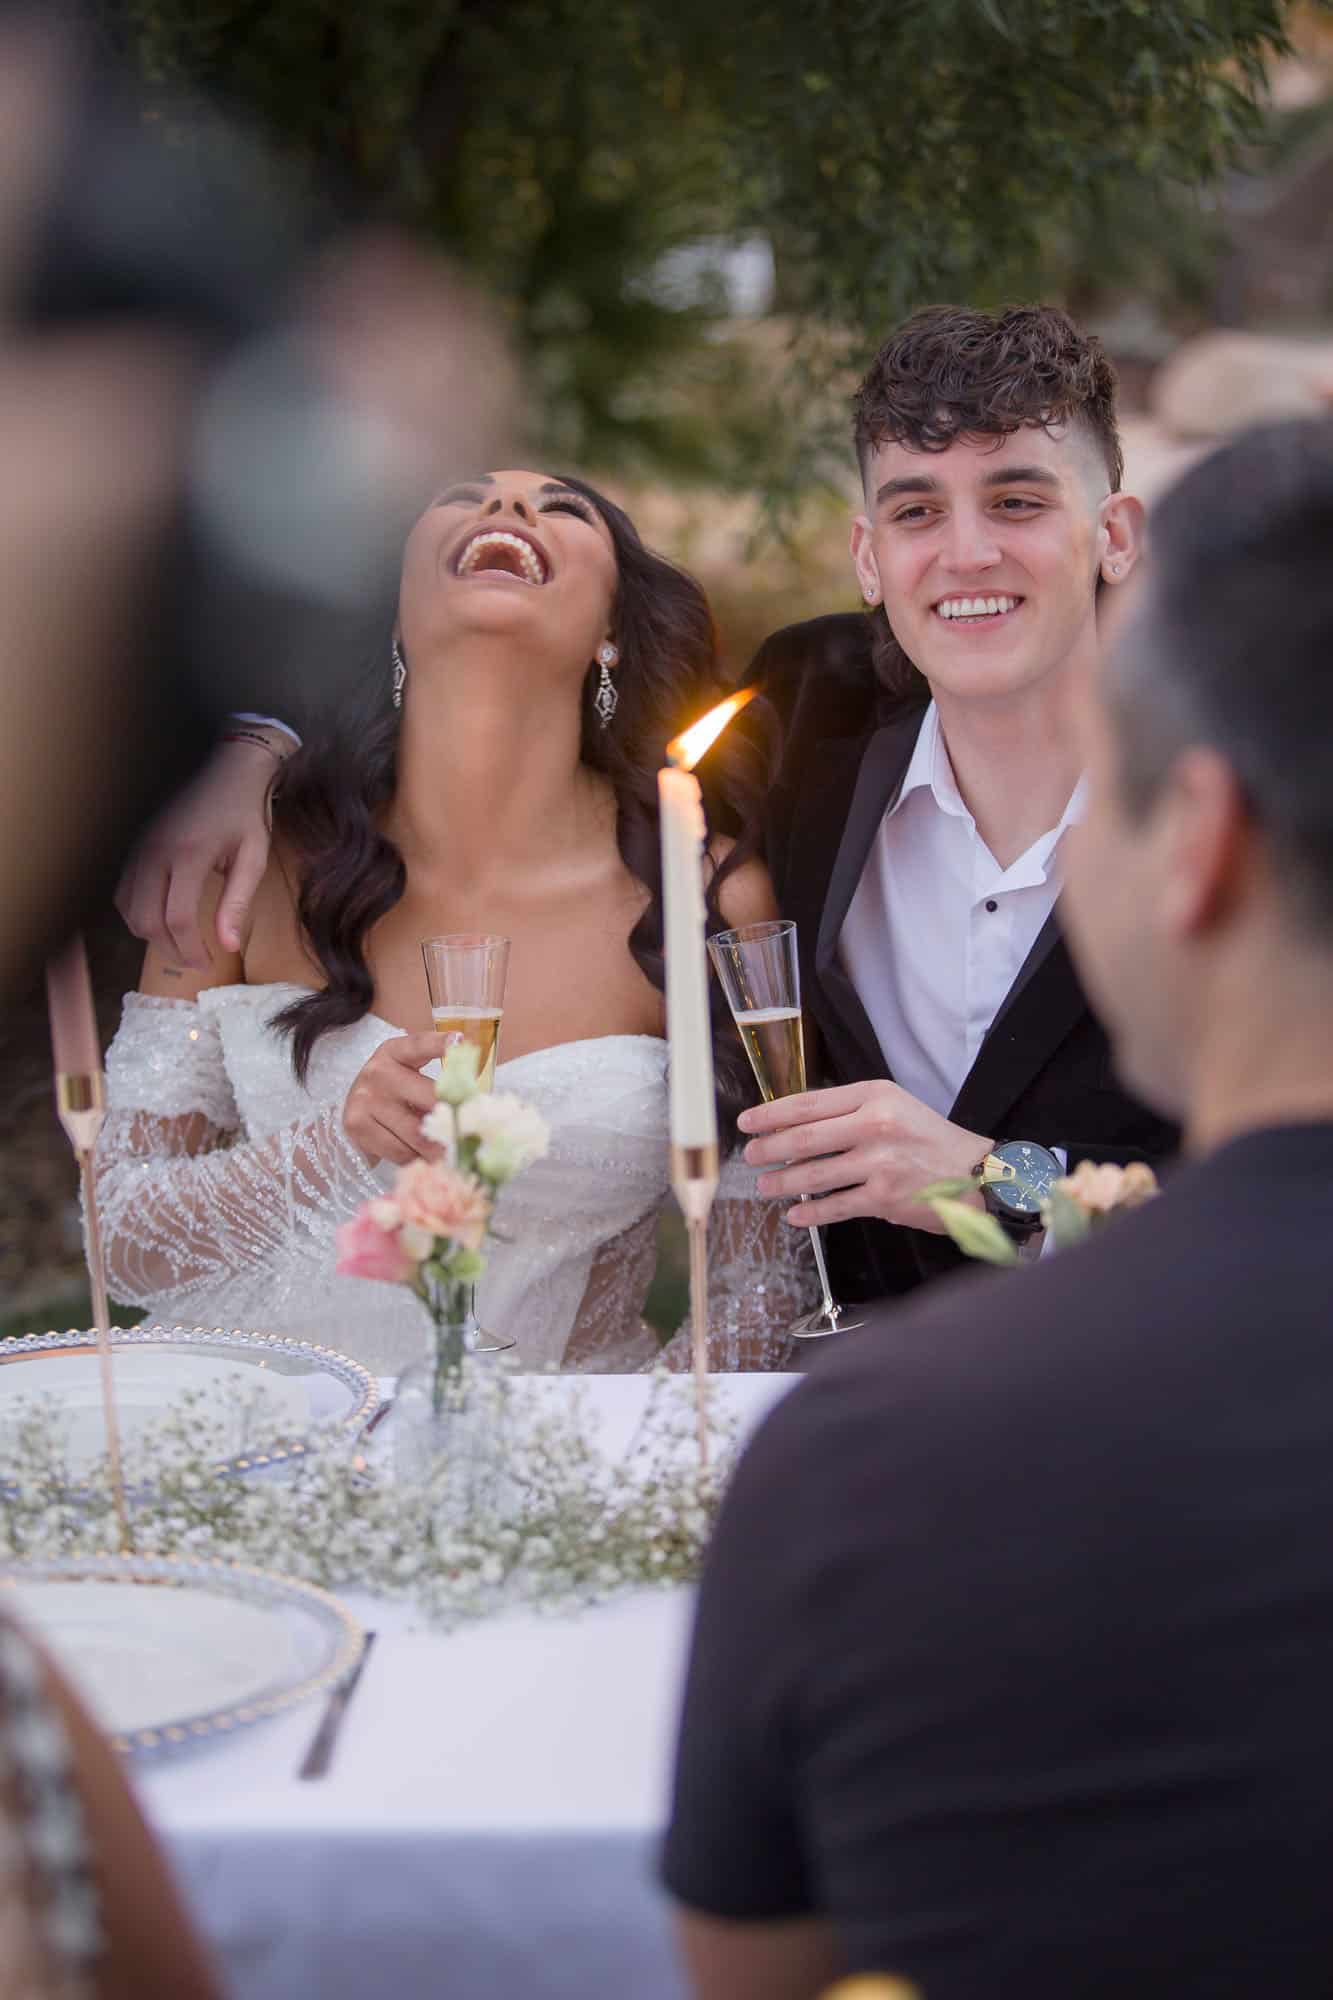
(890, 151)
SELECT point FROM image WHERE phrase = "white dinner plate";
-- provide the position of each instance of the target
(266, 1399)
(168, 1653)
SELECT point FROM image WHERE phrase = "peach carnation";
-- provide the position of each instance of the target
(1099, 1189)
(436, 1197)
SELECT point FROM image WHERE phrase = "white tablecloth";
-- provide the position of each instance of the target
(491, 1821)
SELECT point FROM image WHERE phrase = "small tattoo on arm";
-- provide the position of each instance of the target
(173, 972)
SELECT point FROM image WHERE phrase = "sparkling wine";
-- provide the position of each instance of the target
(478, 1025)
(774, 1044)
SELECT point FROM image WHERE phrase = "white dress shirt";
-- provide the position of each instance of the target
(937, 931)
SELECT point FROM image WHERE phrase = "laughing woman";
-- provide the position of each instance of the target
(505, 783)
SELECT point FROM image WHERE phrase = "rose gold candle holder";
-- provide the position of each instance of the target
(81, 1107)
(694, 1171)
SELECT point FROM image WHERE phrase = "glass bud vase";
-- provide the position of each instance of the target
(447, 1427)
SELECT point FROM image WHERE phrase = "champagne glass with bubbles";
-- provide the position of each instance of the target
(465, 974)
(761, 978)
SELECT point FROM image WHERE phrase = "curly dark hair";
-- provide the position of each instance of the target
(951, 372)
(334, 793)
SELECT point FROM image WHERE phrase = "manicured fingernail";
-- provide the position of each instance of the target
(746, 1121)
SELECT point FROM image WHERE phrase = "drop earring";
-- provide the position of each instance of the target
(606, 699)
(399, 673)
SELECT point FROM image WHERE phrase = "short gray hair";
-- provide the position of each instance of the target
(1232, 645)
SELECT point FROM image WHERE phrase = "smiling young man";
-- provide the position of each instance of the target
(921, 852)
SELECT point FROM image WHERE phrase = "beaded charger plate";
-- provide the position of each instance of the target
(268, 1399)
(168, 1654)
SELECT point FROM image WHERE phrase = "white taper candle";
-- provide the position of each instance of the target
(689, 1034)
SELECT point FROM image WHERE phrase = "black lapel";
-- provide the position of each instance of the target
(830, 852)
(1039, 1010)
(882, 769)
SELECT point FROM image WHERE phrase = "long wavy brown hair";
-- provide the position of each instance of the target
(331, 807)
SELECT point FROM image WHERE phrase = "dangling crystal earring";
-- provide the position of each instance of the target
(399, 673)
(606, 700)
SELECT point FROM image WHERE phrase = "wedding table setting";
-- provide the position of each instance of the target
(489, 1819)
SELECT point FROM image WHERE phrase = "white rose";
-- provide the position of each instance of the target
(511, 1133)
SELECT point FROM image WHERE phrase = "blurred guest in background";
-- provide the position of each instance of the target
(1030, 1695)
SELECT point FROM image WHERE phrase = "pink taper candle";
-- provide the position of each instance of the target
(69, 993)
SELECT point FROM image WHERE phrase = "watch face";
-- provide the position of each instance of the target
(1035, 1172)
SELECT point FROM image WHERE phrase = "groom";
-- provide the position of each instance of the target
(917, 831)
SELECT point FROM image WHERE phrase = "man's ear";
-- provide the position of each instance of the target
(1121, 536)
(1205, 844)
(863, 560)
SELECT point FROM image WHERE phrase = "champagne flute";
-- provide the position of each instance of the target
(761, 978)
(465, 976)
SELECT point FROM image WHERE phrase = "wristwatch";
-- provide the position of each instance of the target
(1016, 1178)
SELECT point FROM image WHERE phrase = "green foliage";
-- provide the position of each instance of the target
(892, 151)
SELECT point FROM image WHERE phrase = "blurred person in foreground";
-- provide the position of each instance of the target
(1029, 1696)
(87, 1909)
(218, 415)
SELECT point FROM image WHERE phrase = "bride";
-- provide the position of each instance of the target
(505, 782)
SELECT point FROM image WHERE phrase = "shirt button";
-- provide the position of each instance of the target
(992, 905)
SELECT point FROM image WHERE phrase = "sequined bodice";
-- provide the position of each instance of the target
(223, 1181)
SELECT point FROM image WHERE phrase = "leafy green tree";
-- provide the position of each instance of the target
(891, 151)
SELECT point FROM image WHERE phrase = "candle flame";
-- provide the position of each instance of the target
(685, 750)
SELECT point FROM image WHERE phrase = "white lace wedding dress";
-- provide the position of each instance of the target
(222, 1181)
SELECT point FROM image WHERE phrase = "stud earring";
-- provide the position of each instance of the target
(399, 673)
(606, 700)
(1115, 569)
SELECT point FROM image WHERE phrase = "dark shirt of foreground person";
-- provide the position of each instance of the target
(1015, 1648)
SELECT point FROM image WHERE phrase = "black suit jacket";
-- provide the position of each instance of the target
(1043, 1071)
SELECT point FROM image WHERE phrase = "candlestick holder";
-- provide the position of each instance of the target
(694, 1173)
(81, 1107)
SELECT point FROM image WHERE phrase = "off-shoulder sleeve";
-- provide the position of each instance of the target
(186, 1201)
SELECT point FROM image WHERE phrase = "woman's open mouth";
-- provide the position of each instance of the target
(500, 552)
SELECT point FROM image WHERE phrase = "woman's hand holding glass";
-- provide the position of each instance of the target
(383, 1110)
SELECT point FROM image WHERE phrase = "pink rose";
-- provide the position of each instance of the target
(438, 1198)
(365, 1250)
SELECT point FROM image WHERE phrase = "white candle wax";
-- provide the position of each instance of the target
(693, 1111)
